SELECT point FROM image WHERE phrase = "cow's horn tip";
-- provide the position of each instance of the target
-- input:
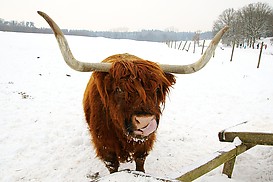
(41, 13)
(226, 28)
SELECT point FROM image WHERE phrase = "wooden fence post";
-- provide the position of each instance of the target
(168, 43)
(180, 44)
(184, 45)
(260, 55)
(228, 167)
(203, 47)
(188, 47)
(233, 46)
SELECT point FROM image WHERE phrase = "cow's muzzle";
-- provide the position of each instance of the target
(144, 125)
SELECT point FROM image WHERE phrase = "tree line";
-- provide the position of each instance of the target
(247, 24)
(143, 35)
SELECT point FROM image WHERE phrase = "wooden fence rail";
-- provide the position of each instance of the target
(220, 157)
(227, 156)
(241, 142)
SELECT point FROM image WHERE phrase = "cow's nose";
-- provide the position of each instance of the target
(142, 121)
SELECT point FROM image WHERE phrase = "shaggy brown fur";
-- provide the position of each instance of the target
(132, 87)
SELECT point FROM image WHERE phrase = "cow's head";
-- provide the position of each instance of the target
(133, 92)
(131, 87)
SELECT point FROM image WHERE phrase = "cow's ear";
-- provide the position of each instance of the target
(171, 78)
(167, 83)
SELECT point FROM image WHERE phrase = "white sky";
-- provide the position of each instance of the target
(182, 15)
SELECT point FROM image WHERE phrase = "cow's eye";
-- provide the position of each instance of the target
(158, 90)
(119, 90)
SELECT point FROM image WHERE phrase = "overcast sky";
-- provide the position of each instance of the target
(181, 15)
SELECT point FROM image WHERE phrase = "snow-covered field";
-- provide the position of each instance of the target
(44, 137)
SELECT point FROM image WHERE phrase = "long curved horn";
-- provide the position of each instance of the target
(67, 54)
(194, 67)
(105, 67)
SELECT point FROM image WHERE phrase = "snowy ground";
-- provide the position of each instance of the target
(44, 136)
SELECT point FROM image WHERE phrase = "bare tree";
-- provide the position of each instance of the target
(228, 17)
(247, 24)
(270, 22)
(196, 37)
(255, 20)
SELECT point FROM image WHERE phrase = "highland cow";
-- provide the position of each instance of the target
(123, 100)
(122, 108)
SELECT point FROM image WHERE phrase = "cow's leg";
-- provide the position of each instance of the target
(140, 164)
(140, 160)
(111, 162)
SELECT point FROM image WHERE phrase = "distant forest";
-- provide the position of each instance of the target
(144, 35)
(247, 24)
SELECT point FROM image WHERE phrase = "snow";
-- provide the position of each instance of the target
(44, 136)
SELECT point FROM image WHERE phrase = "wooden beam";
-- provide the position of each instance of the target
(255, 138)
(220, 157)
(228, 167)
